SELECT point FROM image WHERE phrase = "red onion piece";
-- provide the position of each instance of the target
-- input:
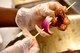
(45, 24)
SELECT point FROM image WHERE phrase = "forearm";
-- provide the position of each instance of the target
(7, 16)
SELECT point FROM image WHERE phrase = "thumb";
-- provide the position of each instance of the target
(26, 42)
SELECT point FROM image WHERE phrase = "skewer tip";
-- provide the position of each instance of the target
(71, 5)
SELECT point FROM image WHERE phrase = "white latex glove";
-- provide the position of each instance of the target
(27, 45)
(27, 18)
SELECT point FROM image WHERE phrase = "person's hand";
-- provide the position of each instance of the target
(53, 9)
(33, 46)
(27, 45)
(28, 18)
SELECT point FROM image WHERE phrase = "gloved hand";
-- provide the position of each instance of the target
(27, 45)
(27, 18)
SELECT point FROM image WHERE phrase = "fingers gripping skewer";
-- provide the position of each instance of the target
(18, 35)
(50, 22)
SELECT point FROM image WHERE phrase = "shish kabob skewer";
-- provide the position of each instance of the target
(50, 22)
(21, 33)
(71, 5)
